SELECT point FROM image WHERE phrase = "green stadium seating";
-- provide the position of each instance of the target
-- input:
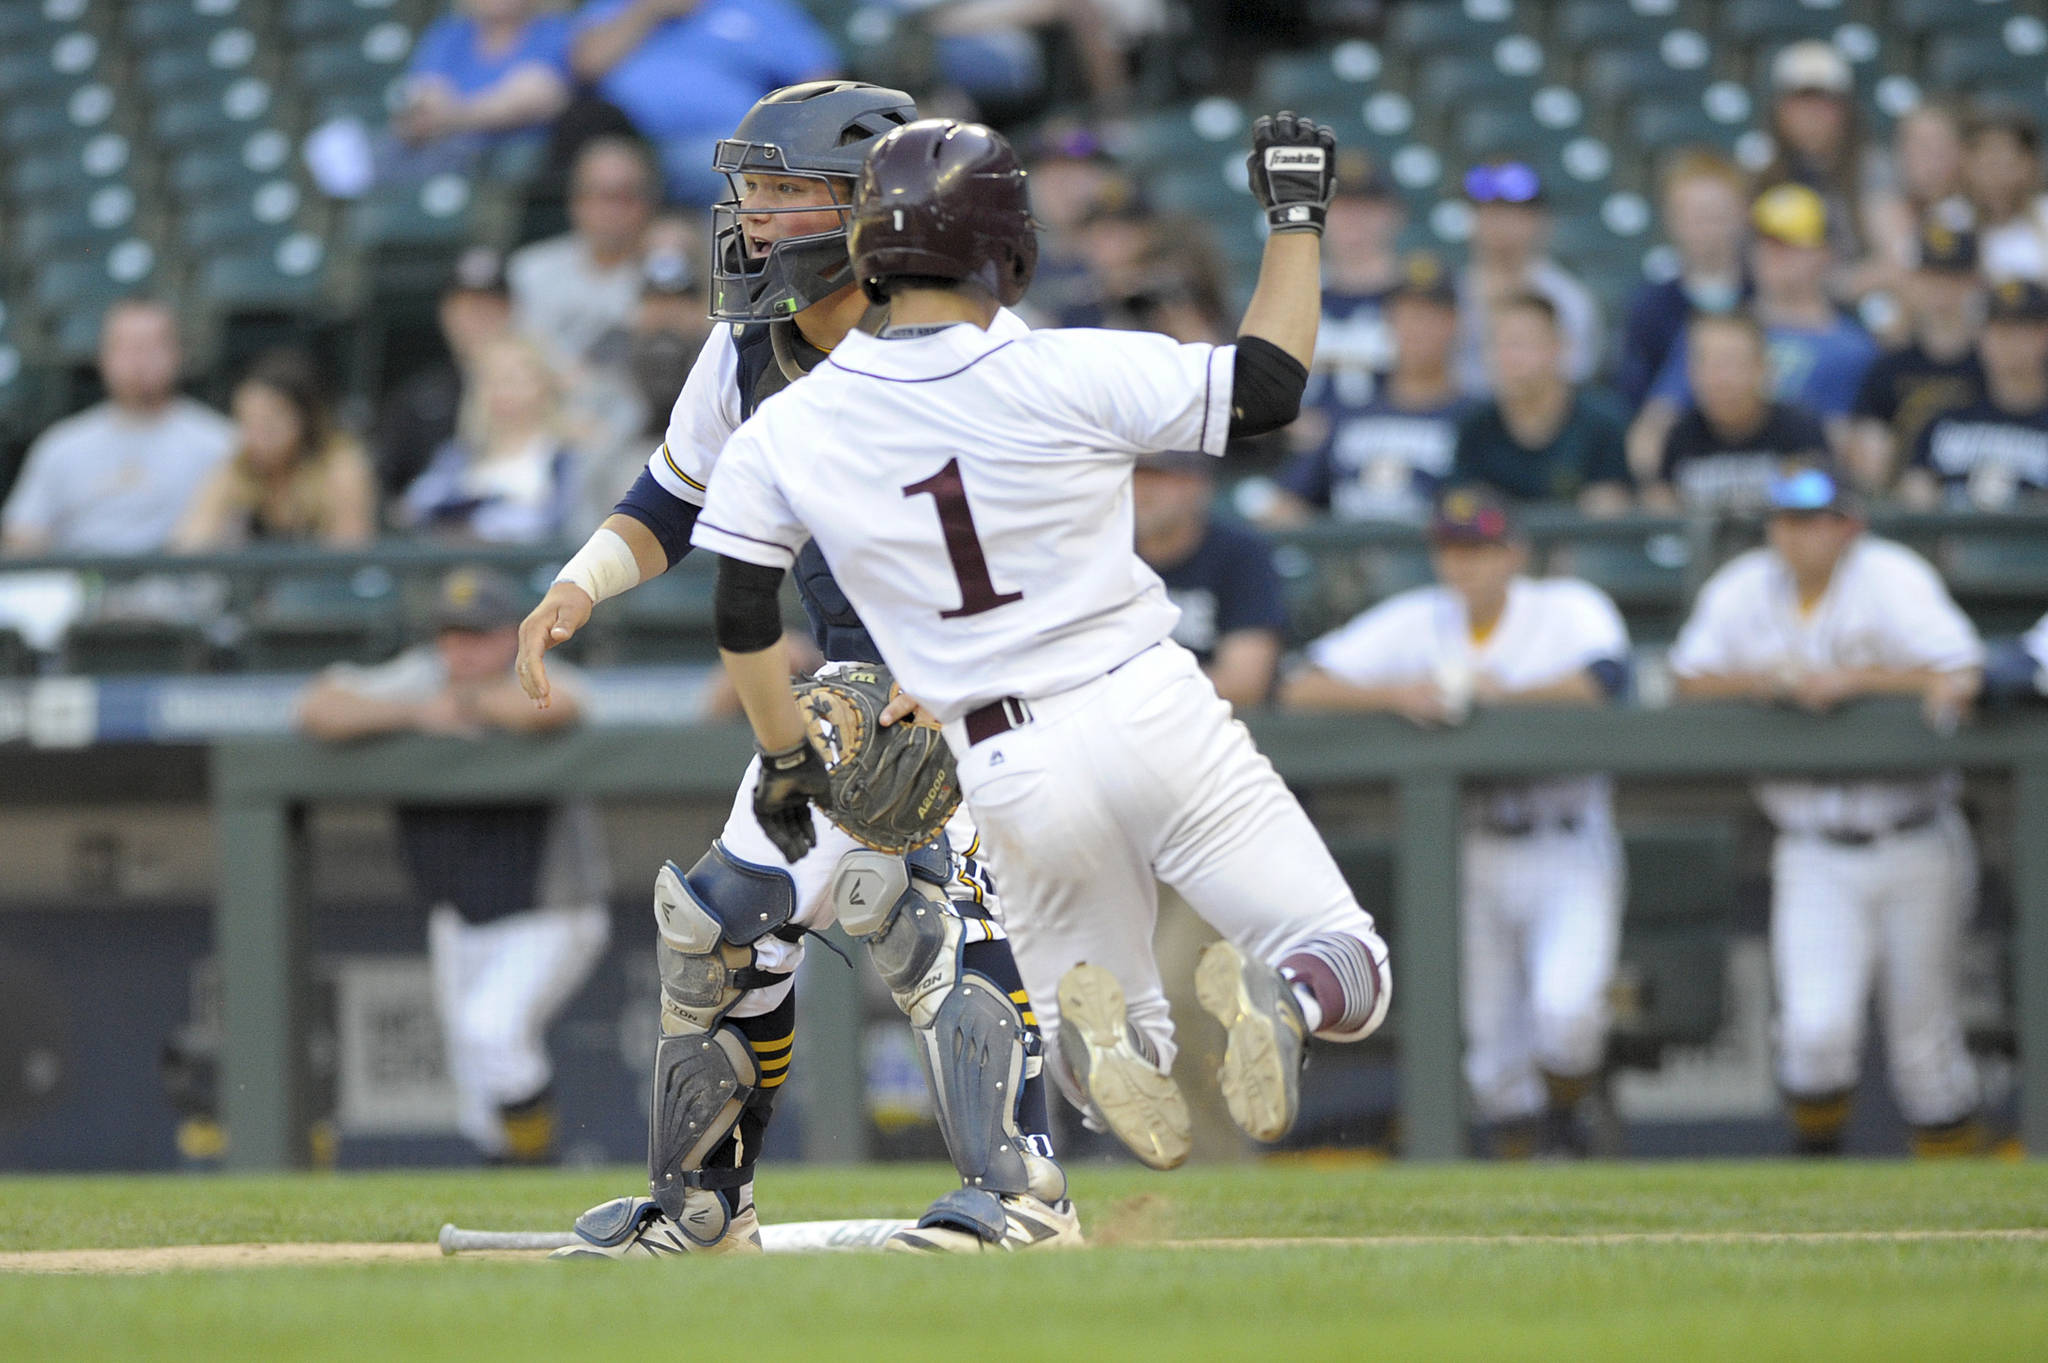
(1313, 80)
(1655, 126)
(360, 65)
(313, 20)
(433, 213)
(215, 118)
(95, 279)
(1617, 75)
(1757, 22)
(104, 216)
(1960, 61)
(182, 23)
(39, 124)
(1419, 27)
(665, 620)
(305, 623)
(277, 275)
(1919, 18)
(1451, 78)
(131, 647)
(1597, 23)
(210, 170)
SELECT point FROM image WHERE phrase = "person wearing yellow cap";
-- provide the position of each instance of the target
(1818, 356)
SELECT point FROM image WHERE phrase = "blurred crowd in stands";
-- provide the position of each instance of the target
(1878, 305)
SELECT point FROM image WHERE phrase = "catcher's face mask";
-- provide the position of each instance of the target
(779, 235)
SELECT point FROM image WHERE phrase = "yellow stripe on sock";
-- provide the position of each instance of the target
(776, 1045)
(782, 1064)
(1019, 996)
(776, 1082)
(1030, 1019)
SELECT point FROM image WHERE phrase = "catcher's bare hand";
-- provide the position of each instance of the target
(903, 706)
(564, 610)
(791, 782)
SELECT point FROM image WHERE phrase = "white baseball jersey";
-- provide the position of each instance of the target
(972, 492)
(1884, 607)
(1551, 629)
(707, 412)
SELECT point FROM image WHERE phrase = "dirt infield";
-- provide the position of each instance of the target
(186, 1258)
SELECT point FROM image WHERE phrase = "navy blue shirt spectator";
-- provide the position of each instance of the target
(1995, 452)
(1220, 575)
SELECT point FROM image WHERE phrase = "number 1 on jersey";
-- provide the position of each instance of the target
(963, 546)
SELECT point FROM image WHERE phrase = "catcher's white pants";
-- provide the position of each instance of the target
(812, 876)
(1140, 776)
(497, 986)
(1541, 919)
(1892, 914)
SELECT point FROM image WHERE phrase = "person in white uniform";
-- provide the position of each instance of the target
(517, 892)
(731, 927)
(977, 510)
(1872, 880)
(1540, 897)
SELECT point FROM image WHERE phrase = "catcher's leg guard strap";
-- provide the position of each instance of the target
(970, 1209)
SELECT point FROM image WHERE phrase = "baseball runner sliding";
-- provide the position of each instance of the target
(970, 484)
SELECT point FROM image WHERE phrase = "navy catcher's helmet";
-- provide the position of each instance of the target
(941, 199)
(820, 130)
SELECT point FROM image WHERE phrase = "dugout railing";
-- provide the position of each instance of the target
(261, 789)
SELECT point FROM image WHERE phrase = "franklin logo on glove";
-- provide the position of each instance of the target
(1292, 172)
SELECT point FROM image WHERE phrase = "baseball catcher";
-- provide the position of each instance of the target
(891, 870)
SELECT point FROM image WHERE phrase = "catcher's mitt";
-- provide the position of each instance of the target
(892, 788)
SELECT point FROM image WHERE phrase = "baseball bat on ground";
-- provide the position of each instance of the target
(788, 1237)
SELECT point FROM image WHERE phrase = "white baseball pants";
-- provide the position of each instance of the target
(1890, 914)
(497, 986)
(1541, 921)
(1140, 776)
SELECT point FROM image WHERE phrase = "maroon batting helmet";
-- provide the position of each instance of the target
(942, 199)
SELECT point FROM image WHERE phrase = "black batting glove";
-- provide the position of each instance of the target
(1293, 169)
(791, 782)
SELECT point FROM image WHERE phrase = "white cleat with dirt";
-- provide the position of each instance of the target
(1127, 1091)
(637, 1227)
(1261, 1074)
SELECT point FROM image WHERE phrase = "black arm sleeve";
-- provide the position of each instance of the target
(1266, 385)
(744, 614)
(667, 515)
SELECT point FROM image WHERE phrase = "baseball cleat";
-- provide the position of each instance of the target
(1261, 1074)
(1027, 1222)
(629, 1227)
(1127, 1092)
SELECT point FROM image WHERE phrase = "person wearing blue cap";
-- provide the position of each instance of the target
(1872, 879)
(1510, 241)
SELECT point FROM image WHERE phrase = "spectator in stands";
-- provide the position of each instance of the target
(515, 892)
(1360, 270)
(1927, 188)
(1725, 453)
(2017, 669)
(686, 71)
(1818, 143)
(1070, 176)
(1541, 438)
(1386, 457)
(1102, 33)
(1221, 576)
(1818, 356)
(1935, 371)
(294, 474)
(507, 476)
(1703, 201)
(1870, 877)
(420, 416)
(1993, 453)
(1541, 881)
(1510, 227)
(116, 478)
(1115, 242)
(2002, 175)
(570, 292)
(495, 70)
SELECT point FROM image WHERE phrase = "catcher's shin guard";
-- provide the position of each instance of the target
(714, 1078)
(977, 1050)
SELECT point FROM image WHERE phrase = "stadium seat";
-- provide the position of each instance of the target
(305, 623)
(211, 169)
(433, 213)
(363, 64)
(152, 24)
(216, 118)
(664, 620)
(1919, 18)
(44, 70)
(1962, 61)
(1753, 23)
(1616, 75)
(1451, 78)
(103, 216)
(1659, 125)
(1419, 27)
(130, 647)
(1599, 23)
(95, 279)
(277, 275)
(1312, 81)
(313, 20)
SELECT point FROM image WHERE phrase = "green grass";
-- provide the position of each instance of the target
(1955, 1299)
